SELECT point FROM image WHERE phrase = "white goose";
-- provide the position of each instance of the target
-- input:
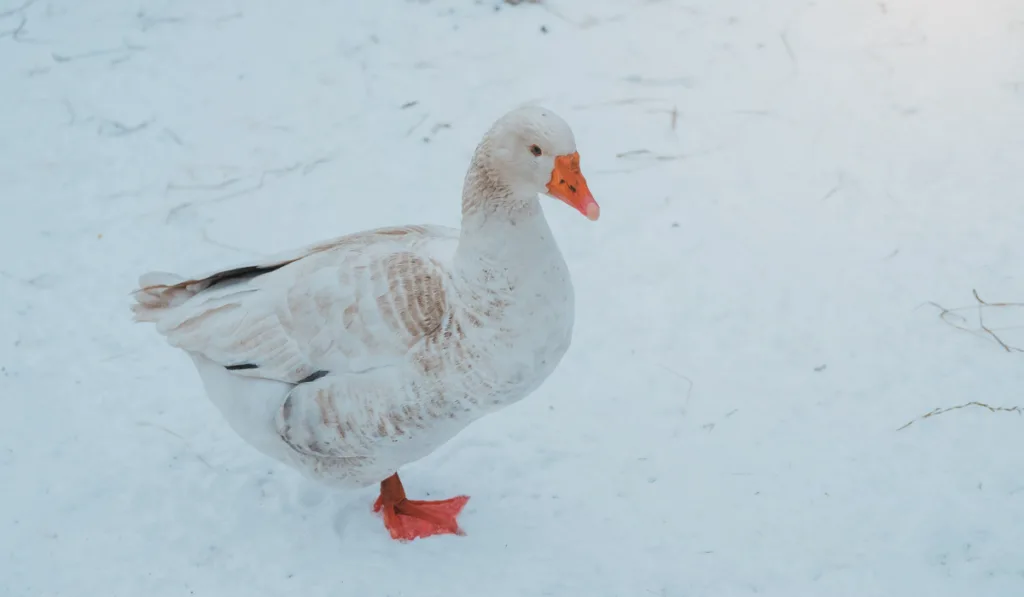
(351, 358)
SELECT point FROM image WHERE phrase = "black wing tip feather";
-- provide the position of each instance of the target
(309, 378)
(248, 271)
(313, 377)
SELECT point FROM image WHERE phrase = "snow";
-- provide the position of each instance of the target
(786, 188)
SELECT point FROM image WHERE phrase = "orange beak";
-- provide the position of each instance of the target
(567, 183)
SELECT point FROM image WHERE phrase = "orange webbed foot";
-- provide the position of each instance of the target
(409, 519)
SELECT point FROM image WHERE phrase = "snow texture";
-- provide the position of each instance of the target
(789, 191)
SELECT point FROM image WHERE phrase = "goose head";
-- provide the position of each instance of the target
(530, 151)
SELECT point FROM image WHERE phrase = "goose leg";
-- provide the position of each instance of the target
(409, 519)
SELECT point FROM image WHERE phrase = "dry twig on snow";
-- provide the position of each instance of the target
(983, 329)
(939, 411)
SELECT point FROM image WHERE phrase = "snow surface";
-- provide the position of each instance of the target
(786, 187)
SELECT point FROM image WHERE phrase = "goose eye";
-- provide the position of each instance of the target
(535, 150)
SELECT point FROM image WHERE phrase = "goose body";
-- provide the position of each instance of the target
(350, 358)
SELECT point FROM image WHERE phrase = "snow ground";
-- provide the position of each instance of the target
(753, 320)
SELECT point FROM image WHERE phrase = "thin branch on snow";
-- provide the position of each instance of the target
(417, 125)
(72, 115)
(983, 331)
(18, 9)
(689, 381)
(789, 48)
(126, 49)
(113, 128)
(10, 276)
(206, 238)
(434, 130)
(629, 101)
(832, 191)
(981, 321)
(647, 154)
(212, 186)
(188, 446)
(938, 411)
(173, 136)
(228, 18)
(280, 172)
(686, 82)
(147, 22)
(15, 33)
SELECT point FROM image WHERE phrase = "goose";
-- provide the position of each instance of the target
(350, 358)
